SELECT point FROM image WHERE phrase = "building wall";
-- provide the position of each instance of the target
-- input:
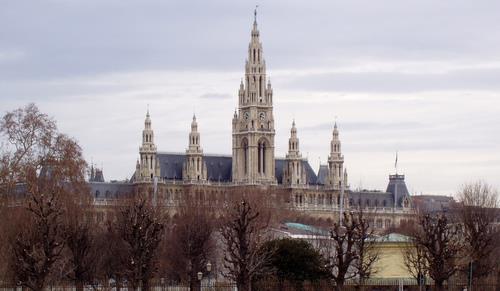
(391, 261)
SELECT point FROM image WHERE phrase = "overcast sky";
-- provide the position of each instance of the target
(419, 77)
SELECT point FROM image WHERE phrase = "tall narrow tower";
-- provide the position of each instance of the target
(335, 162)
(293, 172)
(195, 169)
(149, 166)
(253, 123)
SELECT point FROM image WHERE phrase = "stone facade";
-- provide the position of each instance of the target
(288, 184)
(148, 167)
(195, 169)
(253, 122)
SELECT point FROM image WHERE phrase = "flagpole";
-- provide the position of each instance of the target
(396, 163)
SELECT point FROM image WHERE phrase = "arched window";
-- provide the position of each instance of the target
(245, 155)
(262, 157)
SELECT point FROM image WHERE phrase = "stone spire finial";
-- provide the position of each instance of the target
(194, 124)
(255, 31)
(147, 152)
(255, 14)
(293, 131)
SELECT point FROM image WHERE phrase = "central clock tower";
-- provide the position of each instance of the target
(253, 122)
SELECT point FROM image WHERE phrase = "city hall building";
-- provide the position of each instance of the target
(289, 183)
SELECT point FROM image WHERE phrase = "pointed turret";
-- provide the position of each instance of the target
(335, 161)
(149, 165)
(293, 143)
(195, 169)
(294, 173)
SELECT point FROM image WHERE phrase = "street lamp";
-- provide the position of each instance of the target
(200, 276)
(209, 269)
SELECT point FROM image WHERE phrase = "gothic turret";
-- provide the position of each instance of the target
(253, 124)
(149, 167)
(335, 162)
(195, 169)
(294, 173)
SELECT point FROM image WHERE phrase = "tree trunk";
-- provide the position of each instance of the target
(118, 283)
(79, 286)
(145, 285)
(39, 283)
(339, 284)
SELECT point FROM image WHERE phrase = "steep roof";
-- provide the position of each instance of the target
(219, 167)
(397, 187)
(322, 174)
(101, 190)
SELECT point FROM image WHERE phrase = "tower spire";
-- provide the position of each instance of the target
(255, 14)
(194, 168)
(253, 123)
(149, 165)
(335, 161)
(293, 171)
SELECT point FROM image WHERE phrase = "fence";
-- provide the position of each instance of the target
(352, 285)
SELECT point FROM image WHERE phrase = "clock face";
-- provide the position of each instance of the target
(262, 116)
(246, 115)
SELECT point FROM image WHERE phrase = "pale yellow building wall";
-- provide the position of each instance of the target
(391, 261)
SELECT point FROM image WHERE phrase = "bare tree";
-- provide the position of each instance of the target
(42, 167)
(140, 226)
(353, 253)
(477, 213)
(438, 240)
(112, 260)
(37, 246)
(191, 243)
(81, 248)
(365, 247)
(414, 259)
(242, 233)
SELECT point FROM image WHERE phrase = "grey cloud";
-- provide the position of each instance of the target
(67, 38)
(394, 82)
(367, 126)
(216, 96)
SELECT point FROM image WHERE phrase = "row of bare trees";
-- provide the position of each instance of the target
(460, 243)
(49, 234)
